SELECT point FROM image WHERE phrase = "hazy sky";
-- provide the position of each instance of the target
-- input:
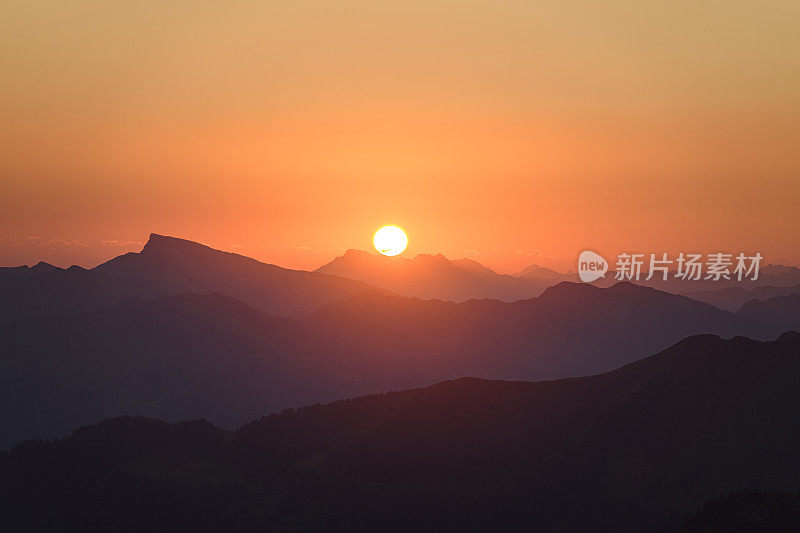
(510, 132)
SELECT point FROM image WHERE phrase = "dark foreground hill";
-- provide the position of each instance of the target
(211, 356)
(174, 357)
(639, 448)
(749, 510)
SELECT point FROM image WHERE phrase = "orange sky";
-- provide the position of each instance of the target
(509, 132)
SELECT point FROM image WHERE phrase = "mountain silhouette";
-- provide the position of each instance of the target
(434, 277)
(536, 271)
(44, 289)
(167, 265)
(470, 265)
(25, 271)
(572, 329)
(188, 356)
(733, 298)
(779, 310)
(178, 265)
(639, 448)
(175, 357)
(749, 510)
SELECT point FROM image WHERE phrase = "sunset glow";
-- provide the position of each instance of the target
(399, 265)
(510, 134)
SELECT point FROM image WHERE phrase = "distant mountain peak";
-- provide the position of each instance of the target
(630, 287)
(537, 271)
(432, 276)
(160, 243)
(468, 261)
(567, 288)
(432, 259)
(355, 252)
(355, 255)
(177, 265)
(470, 265)
(42, 267)
(572, 288)
(779, 269)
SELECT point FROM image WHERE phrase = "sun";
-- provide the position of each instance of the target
(390, 240)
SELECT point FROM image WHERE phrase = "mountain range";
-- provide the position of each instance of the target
(783, 309)
(190, 355)
(733, 298)
(530, 401)
(435, 277)
(639, 448)
(168, 265)
(180, 330)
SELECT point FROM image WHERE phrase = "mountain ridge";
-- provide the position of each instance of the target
(180, 265)
(637, 448)
(433, 276)
(188, 355)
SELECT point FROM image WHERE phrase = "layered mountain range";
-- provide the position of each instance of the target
(168, 265)
(530, 401)
(100, 348)
(435, 277)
